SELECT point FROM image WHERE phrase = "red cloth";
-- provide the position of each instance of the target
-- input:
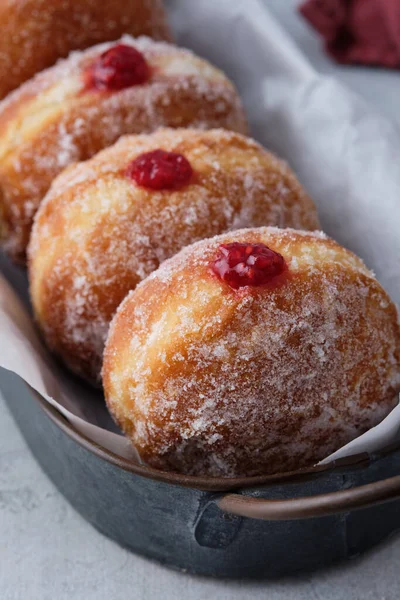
(358, 31)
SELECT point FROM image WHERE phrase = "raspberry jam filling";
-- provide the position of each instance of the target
(119, 67)
(160, 170)
(241, 265)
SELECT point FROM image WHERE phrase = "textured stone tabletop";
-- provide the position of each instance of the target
(48, 552)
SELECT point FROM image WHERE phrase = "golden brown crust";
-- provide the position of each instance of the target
(35, 33)
(207, 380)
(50, 122)
(97, 234)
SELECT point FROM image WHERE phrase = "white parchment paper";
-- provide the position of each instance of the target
(344, 152)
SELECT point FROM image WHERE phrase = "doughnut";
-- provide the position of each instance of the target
(255, 352)
(35, 33)
(109, 222)
(85, 103)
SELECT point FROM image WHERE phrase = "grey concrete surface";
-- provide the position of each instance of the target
(48, 552)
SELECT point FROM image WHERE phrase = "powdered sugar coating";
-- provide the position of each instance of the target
(52, 121)
(35, 33)
(211, 381)
(97, 234)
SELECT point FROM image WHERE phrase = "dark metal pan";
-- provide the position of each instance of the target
(255, 527)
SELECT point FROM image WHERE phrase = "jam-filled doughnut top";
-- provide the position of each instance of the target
(85, 103)
(109, 222)
(173, 75)
(255, 352)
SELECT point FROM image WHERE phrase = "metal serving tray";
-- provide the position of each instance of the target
(256, 527)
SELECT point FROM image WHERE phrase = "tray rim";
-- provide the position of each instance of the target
(207, 484)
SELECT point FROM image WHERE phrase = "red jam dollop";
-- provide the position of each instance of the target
(120, 67)
(160, 170)
(241, 265)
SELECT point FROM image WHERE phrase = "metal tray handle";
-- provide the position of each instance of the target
(309, 507)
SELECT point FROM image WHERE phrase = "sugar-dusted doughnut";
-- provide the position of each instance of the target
(35, 33)
(109, 222)
(85, 103)
(255, 352)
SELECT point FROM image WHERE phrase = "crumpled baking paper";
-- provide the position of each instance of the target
(344, 152)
